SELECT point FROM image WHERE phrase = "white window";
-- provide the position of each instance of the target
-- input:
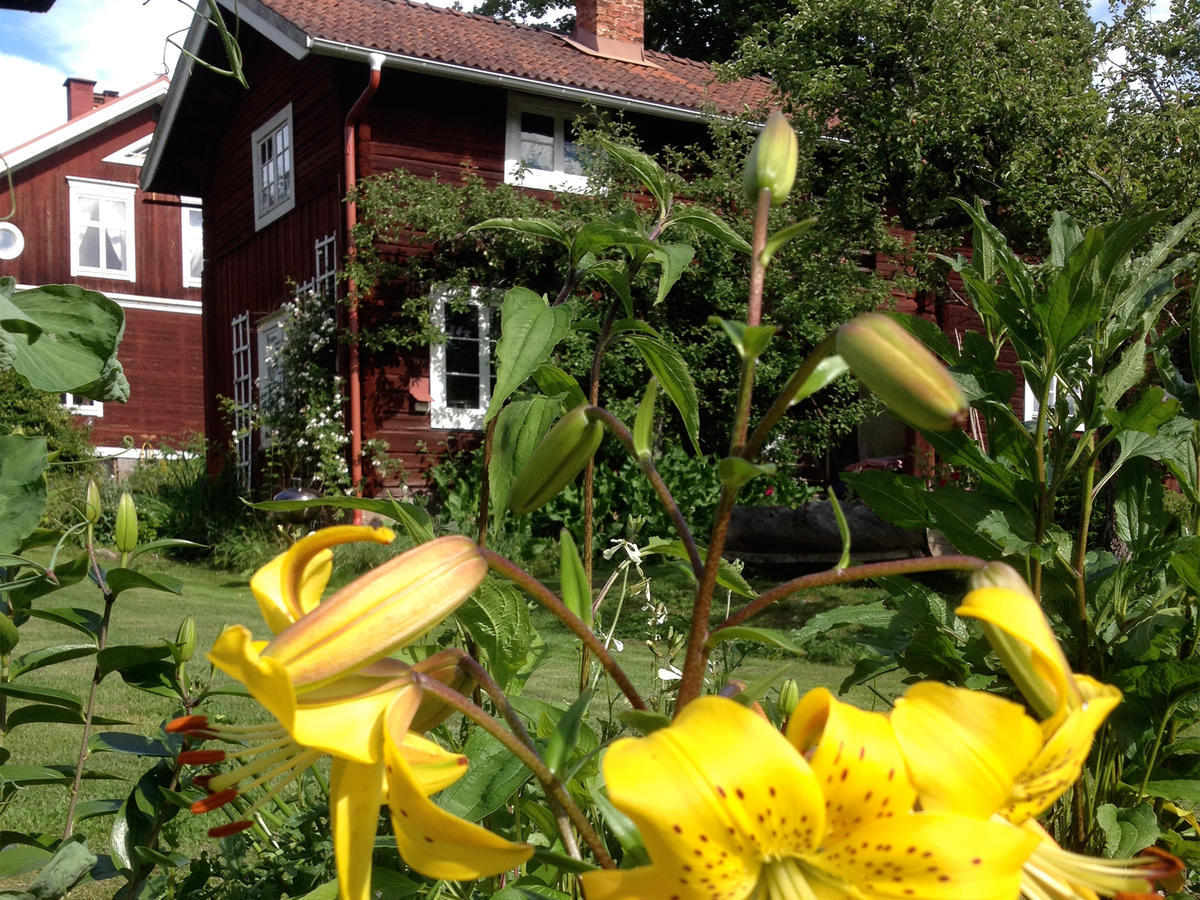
(270, 340)
(242, 397)
(133, 154)
(82, 406)
(192, 246)
(274, 188)
(460, 367)
(325, 279)
(540, 148)
(12, 242)
(1056, 389)
(102, 240)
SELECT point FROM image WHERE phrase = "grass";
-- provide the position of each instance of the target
(217, 598)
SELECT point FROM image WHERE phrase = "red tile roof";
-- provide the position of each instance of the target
(495, 46)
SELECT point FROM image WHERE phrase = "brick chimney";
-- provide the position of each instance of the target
(612, 28)
(81, 96)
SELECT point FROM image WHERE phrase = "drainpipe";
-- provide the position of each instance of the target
(355, 380)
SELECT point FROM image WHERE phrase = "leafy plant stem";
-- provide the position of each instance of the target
(541, 771)
(1085, 521)
(853, 573)
(547, 598)
(768, 422)
(1153, 757)
(757, 270)
(1043, 496)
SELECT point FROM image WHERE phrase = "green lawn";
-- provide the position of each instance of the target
(217, 598)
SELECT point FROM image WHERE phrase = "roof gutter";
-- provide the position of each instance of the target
(354, 379)
(326, 47)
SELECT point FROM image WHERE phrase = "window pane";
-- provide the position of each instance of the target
(114, 256)
(89, 248)
(462, 391)
(537, 141)
(533, 124)
(462, 357)
(572, 164)
(89, 209)
(463, 323)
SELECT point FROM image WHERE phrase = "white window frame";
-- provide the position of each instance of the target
(268, 337)
(242, 400)
(83, 406)
(191, 239)
(441, 415)
(133, 153)
(266, 213)
(80, 188)
(514, 172)
(1031, 402)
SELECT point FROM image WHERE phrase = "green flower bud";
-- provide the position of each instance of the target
(772, 162)
(789, 696)
(91, 502)
(1001, 575)
(127, 524)
(900, 371)
(555, 462)
(185, 640)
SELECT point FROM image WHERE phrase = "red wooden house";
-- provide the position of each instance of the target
(341, 90)
(78, 216)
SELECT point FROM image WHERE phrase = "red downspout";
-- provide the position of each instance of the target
(355, 380)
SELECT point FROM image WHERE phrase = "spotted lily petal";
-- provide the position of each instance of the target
(291, 584)
(965, 750)
(434, 768)
(1018, 631)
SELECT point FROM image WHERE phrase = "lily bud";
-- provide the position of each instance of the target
(772, 162)
(446, 667)
(185, 640)
(900, 371)
(1001, 575)
(91, 502)
(127, 524)
(555, 462)
(789, 696)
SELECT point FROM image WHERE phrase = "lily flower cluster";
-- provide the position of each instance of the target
(329, 683)
(936, 800)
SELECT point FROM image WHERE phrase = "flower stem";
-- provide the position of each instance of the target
(550, 783)
(547, 598)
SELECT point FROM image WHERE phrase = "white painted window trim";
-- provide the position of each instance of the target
(514, 173)
(242, 399)
(84, 407)
(1031, 402)
(440, 414)
(268, 336)
(266, 214)
(191, 239)
(133, 153)
(78, 188)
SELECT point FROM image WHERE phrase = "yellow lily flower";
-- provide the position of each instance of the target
(326, 680)
(730, 809)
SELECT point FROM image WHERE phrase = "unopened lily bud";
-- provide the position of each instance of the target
(91, 502)
(185, 640)
(1001, 575)
(772, 162)
(789, 696)
(447, 668)
(127, 524)
(555, 462)
(900, 371)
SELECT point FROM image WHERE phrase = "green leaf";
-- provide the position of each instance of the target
(899, 499)
(542, 228)
(161, 544)
(865, 615)
(615, 273)
(827, 371)
(497, 619)
(493, 776)
(597, 237)
(530, 329)
(85, 621)
(623, 827)
(843, 529)
(121, 580)
(134, 744)
(10, 636)
(39, 694)
(708, 222)
(576, 591)
(1177, 790)
(750, 340)
(1127, 831)
(553, 381)
(1150, 411)
(415, 521)
(558, 749)
(115, 659)
(735, 471)
(673, 259)
(643, 423)
(645, 169)
(70, 863)
(26, 776)
(519, 428)
(644, 721)
(767, 636)
(19, 859)
(728, 576)
(776, 242)
(672, 373)
(48, 656)
(22, 488)
(73, 346)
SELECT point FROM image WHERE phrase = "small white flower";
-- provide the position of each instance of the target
(669, 673)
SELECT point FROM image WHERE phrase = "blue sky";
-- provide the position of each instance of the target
(120, 43)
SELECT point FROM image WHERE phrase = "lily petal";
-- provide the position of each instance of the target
(431, 840)
(434, 768)
(855, 758)
(291, 584)
(965, 750)
(713, 795)
(355, 796)
(1017, 629)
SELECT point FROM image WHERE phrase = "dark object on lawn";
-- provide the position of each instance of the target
(778, 534)
(297, 516)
